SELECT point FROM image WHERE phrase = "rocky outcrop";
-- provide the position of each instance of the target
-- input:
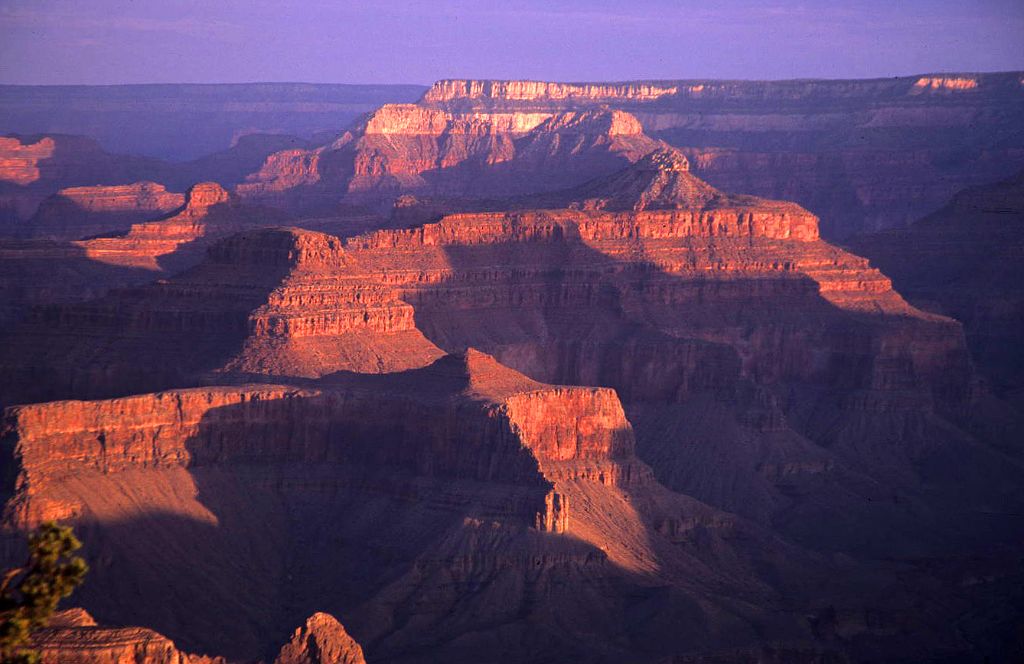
(35, 167)
(418, 422)
(756, 367)
(659, 181)
(72, 637)
(177, 240)
(861, 154)
(506, 477)
(414, 149)
(40, 273)
(322, 640)
(81, 212)
(306, 304)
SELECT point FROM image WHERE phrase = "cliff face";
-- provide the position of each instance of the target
(412, 149)
(964, 261)
(464, 418)
(462, 472)
(450, 90)
(507, 93)
(80, 212)
(35, 167)
(673, 377)
(306, 304)
(322, 640)
(38, 273)
(73, 637)
(863, 155)
(737, 301)
(178, 240)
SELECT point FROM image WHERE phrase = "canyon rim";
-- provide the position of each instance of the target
(669, 333)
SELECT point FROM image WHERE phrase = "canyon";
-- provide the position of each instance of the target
(964, 260)
(528, 371)
(864, 155)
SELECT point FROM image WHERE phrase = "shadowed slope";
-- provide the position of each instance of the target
(442, 511)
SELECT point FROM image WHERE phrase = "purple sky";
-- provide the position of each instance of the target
(387, 41)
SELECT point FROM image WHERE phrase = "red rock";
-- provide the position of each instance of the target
(861, 154)
(518, 479)
(405, 148)
(177, 240)
(80, 212)
(33, 168)
(322, 640)
(73, 637)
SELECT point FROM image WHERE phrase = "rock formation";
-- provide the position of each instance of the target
(964, 261)
(35, 167)
(461, 472)
(81, 212)
(174, 241)
(322, 640)
(861, 154)
(735, 305)
(411, 149)
(73, 637)
(594, 409)
(37, 273)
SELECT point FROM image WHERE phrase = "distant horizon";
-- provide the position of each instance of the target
(534, 80)
(393, 42)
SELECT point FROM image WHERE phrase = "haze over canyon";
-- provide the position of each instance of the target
(660, 371)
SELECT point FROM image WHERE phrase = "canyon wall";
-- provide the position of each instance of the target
(964, 261)
(861, 154)
(462, 472)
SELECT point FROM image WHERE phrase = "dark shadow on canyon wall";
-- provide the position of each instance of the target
(359, 517)
(136, 339)
(855, 446)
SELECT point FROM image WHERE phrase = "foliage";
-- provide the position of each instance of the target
(29, 595)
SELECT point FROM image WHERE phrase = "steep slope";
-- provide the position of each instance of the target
(461, 477)
(765, 372)
(73, 637)
(178, 240)
(659, 181)
(862, 154)
(736, 302)
(80, 212)
(965, 261)
(36, 273)
(35, 167)
(322, 640)
(409, 149)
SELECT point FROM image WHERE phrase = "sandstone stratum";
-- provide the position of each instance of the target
(499, 376)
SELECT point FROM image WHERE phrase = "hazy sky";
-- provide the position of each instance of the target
(390, 41)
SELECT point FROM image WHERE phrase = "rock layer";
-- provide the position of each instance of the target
(508, 481)
(72, 637)
(964, 261)
(861, 154)
(410, 149)
(81, 212)
(322, 640)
